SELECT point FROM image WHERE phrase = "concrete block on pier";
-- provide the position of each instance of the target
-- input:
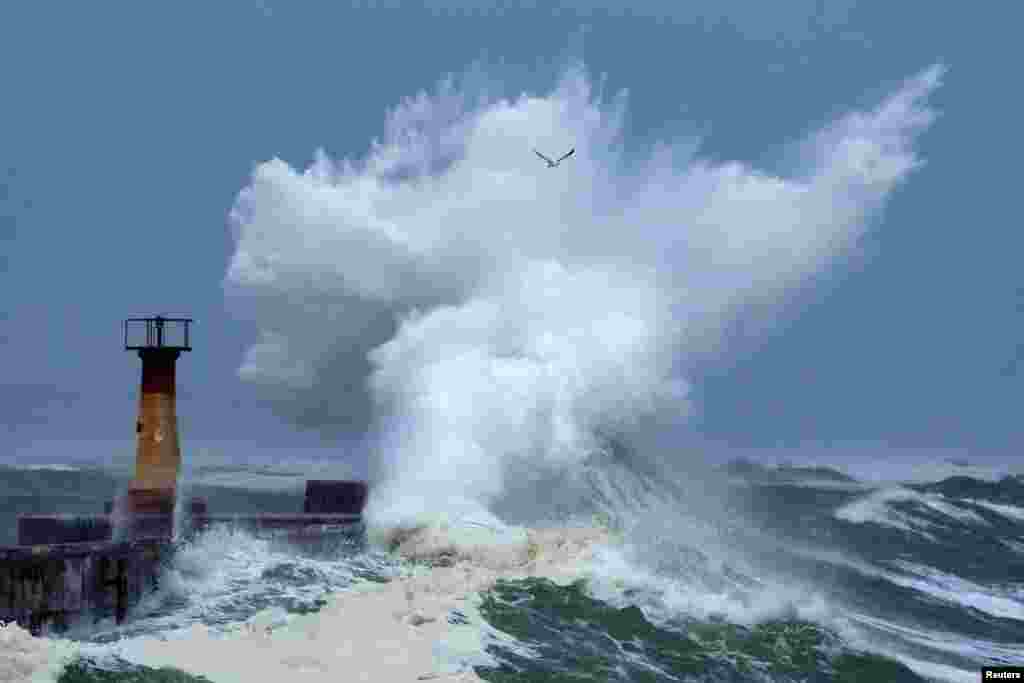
(325, 496)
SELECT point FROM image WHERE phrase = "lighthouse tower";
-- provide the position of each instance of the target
(159, 341)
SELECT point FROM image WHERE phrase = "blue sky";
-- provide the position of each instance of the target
(127, 132)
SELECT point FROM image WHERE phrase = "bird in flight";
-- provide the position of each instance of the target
(552, 164)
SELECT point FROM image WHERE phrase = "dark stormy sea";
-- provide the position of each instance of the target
(744, 572)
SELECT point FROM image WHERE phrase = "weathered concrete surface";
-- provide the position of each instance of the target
(54, 585)
(69, 567)
(35, 530)
(46, 586)
(60, 529)
(49, 529)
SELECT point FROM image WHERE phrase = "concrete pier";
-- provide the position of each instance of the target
(60, 529)
(68, 567)
(48, 586)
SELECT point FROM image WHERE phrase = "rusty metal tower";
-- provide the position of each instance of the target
(159, 341)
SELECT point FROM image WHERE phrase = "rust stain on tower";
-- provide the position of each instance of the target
(159, 341)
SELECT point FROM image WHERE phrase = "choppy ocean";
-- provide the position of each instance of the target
(740, 573)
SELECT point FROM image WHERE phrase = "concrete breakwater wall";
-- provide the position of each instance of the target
(69, 567)
(54, 585)
(51, 585)
(38, 530)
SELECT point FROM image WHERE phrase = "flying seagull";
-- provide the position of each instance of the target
(552, 164)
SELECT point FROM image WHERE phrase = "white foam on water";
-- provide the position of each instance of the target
(932, 671)
(621, 581)
(876, 508)
(401, 631)
(868, 641)
(1008, 511)
(849, 624)
(28, 659)
(675, 566)
(1005, 604)
(941, 504)
(984, 651)
(664, 599)
(215, 578)
(395, 631)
